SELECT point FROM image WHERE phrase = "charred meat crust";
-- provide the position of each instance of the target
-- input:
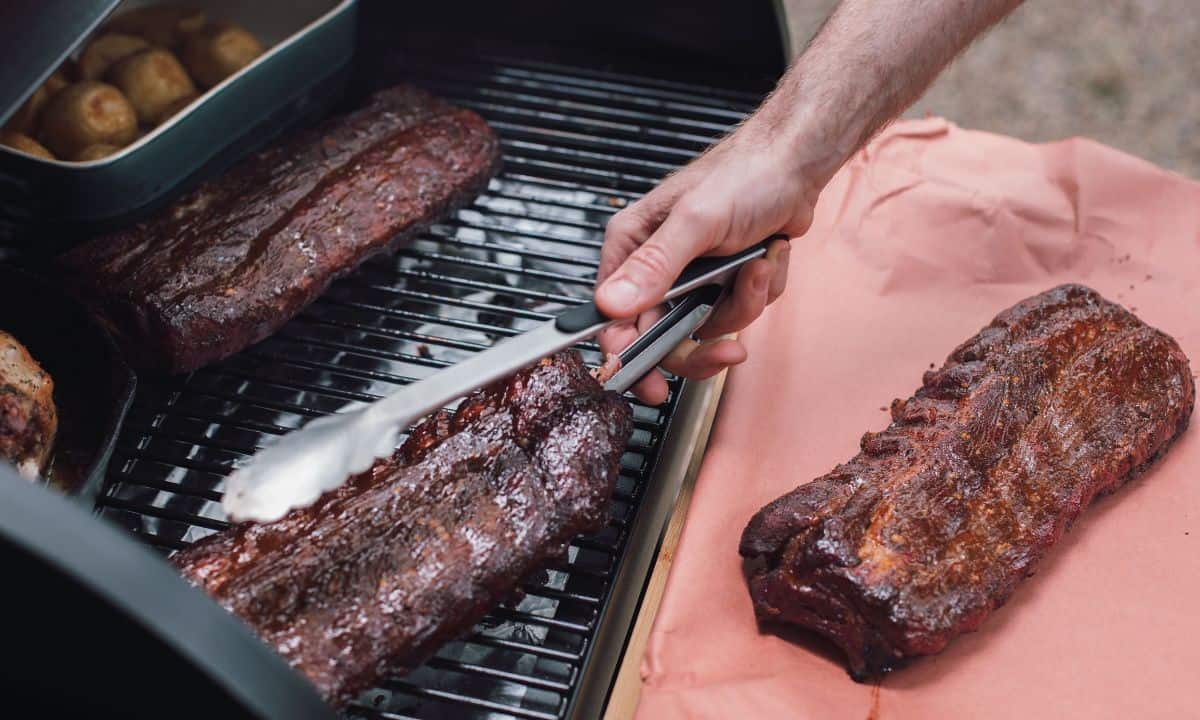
(380, 572)
(232, 261)
(918, 538)
(28, 415)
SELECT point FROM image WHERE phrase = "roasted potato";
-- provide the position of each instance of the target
(218, 51)
(57, 81)
(105, 50)
(169, 111)
(164, 25)
(24, 143)
(95, 152)
(154, 81)
(87, 113)
(24, 120)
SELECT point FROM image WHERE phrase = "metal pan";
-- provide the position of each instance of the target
(93, 386)
(47, 205)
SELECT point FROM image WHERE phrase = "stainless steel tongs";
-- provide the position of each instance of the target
(295, 470)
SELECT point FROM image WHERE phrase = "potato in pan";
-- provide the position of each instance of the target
(215, 53)
(104, 184)
(106, 50)
(85, 114)
(24, 143)
(82, 112)
(154, 82)
(162, 25)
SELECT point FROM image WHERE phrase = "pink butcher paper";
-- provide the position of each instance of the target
(917, 243)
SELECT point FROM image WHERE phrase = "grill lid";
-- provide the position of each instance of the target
(92, 606)
(36, 36)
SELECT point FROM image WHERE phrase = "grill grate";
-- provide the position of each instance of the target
(578, 145)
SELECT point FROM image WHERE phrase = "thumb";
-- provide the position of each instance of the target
(644, 277)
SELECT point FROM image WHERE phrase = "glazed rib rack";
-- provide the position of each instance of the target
(578, 145)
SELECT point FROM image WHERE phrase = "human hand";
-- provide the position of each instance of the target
(742, 190)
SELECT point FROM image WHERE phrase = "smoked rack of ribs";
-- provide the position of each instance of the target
(377, 574)
(229, 263)
(918, 538)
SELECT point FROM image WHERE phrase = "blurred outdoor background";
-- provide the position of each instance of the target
(1124, 72)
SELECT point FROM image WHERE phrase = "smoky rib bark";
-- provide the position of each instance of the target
(229, 263)
(931, 527)
(380, 572)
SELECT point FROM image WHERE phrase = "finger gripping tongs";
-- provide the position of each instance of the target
(296, 469)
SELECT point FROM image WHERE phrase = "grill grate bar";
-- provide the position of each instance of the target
(539, 182)
(508, 614)
(553, 167)
(359, 708)
(567, 164)
(456, 260)
(474, 702)
(348, 395)
(637, 151)
(175, 488)
(250, 403)
(450, 280)
(516, 218)
(591, 243)
(549, 195)
(360, 350)
(526, 148)
(518, 119)
(590, 77)
(444, 233)
(416, 337)
(362, 280)
(586, 104)
(543, 652)
(476, 669)
(368, 329)
(165, 514)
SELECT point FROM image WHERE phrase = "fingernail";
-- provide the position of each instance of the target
(620, 293)
(760, 283)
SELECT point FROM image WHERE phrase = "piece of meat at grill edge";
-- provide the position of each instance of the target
(379, 573)
(28, 417)
(931, 527)
(228, 264)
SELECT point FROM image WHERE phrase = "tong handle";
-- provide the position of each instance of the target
(701, 271)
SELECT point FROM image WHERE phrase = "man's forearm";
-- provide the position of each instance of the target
(871, 60)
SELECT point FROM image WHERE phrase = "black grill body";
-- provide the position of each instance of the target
(580, 141)
(578, 145)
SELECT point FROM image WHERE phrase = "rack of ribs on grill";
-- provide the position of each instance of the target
(380, 572)
(930, 528)
(228, 264)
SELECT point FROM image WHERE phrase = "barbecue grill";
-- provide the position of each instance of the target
(584, 132)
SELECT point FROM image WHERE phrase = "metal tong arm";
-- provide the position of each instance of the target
(677, 325)
(300, 466)
(700, 272)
